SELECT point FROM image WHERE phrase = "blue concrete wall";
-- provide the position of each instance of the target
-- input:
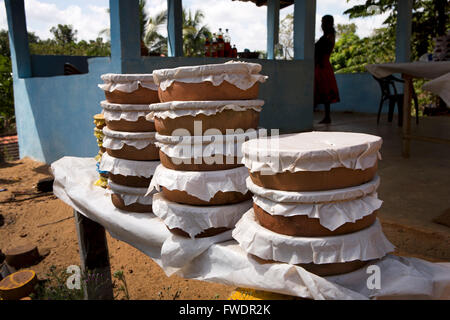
(359, 92)
(54, 114)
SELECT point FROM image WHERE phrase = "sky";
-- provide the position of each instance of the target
(246, 22)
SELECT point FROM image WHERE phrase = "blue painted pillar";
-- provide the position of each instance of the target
(304, 29)
(273, 23)
(125, 33)
(18, 38)
(403, 31)
(175, 28)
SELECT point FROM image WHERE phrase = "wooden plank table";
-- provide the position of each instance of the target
(410, 70)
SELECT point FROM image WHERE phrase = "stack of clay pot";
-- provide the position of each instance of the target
(99, 121)
(201, 178)
(315, 201)
(129, 139)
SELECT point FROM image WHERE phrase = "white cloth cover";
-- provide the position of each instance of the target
(127, 82)
(241, 74)
(427, 70)
(311, 151)
(128, 112)
(227, 263)
(206, 146)
(201, 184)
(176, 109)
(367, 244)
(437, 70)
(330, 215)
(196, 219)
(311, 197)
(128, 167)
(177, 252)
(440, 86)
(130, 195)
(115, 140)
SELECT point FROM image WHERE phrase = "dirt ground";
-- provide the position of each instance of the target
(28, 221)
(48, 222)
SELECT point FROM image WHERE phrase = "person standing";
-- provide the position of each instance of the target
(325, 87)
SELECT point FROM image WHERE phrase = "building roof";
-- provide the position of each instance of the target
(259, 3)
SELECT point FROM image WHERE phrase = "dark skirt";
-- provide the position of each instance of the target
(325, 86)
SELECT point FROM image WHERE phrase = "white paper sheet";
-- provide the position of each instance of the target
(175, 109)
(196, 219)
(311, 151)
(130, 195)
(241, 74)
(311, 197)
(227, 263)
(115, 140)
(201, 184)
(127, 82)
(128, 167)
(128, 112)
(367, 244)
(330, 215)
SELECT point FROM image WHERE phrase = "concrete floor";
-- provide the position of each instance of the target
(414, 190)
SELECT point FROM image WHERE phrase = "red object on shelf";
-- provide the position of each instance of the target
(234, 52)
(214, 46)
(220, 44)
(227, 46)
(207, 48)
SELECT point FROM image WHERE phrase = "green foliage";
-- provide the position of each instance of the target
(64, 34)
(63, 43)
(351, 53)
(429, 19)
(123, 287)
(97, 48)
(55, 288)
(194, 33)
(155, 42)
(6, 86)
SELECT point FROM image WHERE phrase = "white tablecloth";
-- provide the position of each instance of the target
(437, 70)
(222, 260)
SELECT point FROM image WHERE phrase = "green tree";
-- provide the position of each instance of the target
(154, 41)
(429, 19)
(286, 37)
(6, 85)
(63, 43)
(194, 33)
(6, 95)
(352, 53)
(342, 29)
(143, 17)
(64, 34)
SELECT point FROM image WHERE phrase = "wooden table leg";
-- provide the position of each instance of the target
(406, 128)
(94, 258)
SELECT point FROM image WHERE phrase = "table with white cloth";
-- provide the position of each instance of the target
(436, 71)
(220, 259)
